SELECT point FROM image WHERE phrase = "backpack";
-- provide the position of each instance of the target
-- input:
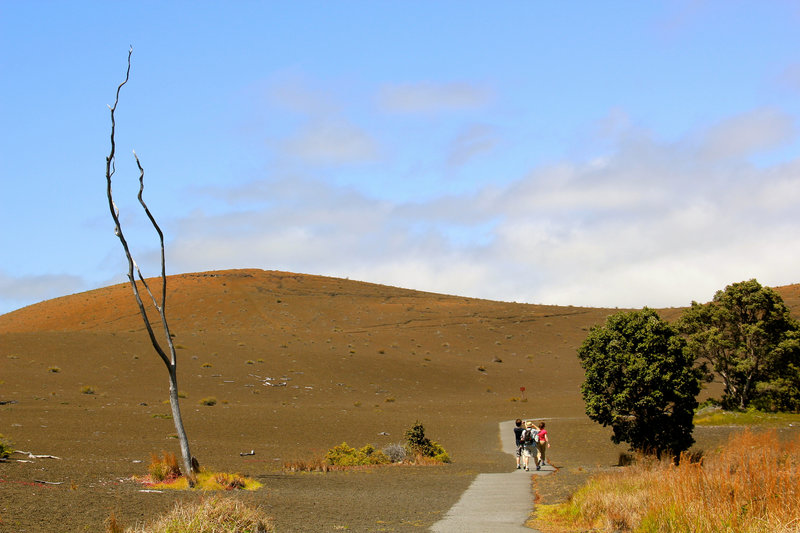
(527, 436)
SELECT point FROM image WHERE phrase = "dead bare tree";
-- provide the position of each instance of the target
(189, 463)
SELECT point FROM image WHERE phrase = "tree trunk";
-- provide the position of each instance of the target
(188, 467)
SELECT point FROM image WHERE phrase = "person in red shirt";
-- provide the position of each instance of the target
(541, 446)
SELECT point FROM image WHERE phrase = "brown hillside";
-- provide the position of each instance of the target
(298, 363)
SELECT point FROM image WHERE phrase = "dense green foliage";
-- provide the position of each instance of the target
(641, 381)
(420, 445)
(747, 337)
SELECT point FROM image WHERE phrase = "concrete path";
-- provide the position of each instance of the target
(494, 502)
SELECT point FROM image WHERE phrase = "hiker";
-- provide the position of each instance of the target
(541, 446)
(528, 444)
(518, 429)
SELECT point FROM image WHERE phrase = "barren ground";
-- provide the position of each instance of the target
(358, 360)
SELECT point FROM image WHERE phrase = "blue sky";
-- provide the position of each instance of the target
(582, 153)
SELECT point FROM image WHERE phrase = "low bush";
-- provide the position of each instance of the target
(395, 452)
(6, 448)
(208, 401)
(210, 515)
(86, 389)
(344, 455)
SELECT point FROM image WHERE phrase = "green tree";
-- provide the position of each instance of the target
(641, 381)
(747, 336)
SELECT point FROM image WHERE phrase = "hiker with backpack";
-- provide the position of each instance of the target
(518, 429)
(528, 440)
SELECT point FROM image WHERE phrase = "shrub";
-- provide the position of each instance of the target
(210, 515)
(395, 452)
(5, 447)
(344, 455)
(418, 444)
(208, 401)
(54, 369)
(86, 389)
(164, 468)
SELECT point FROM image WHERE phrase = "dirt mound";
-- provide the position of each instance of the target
(298, 364)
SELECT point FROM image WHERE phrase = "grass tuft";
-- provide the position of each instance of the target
(210, 515)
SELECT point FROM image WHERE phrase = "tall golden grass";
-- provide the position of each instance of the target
(750, 485)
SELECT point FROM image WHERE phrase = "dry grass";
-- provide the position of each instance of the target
(213, 515)
(750, 485)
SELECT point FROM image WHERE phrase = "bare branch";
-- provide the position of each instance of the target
(110, 170)
(190, 463)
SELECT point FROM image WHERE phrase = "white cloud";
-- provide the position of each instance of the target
(332, 142)
(748, 133)
(649, 223)
(432, 97)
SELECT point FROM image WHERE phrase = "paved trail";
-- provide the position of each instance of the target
(494, 502)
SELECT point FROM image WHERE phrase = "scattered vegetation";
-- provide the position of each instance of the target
(209, 515)
(164, 472)
(206, 365)
(208, 401)
(86, 389)
(417, 447)
(751, 485)
(54, 369)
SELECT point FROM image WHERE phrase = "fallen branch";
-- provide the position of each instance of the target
(48, 482)
(35, 456)
(252, 452)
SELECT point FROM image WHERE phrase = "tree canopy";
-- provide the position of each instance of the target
(747, 336)
(641, 381)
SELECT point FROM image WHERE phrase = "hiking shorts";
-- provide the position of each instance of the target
(528, 451)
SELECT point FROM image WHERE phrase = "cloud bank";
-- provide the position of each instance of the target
(649, 223)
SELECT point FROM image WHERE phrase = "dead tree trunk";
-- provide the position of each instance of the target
(189, 464)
